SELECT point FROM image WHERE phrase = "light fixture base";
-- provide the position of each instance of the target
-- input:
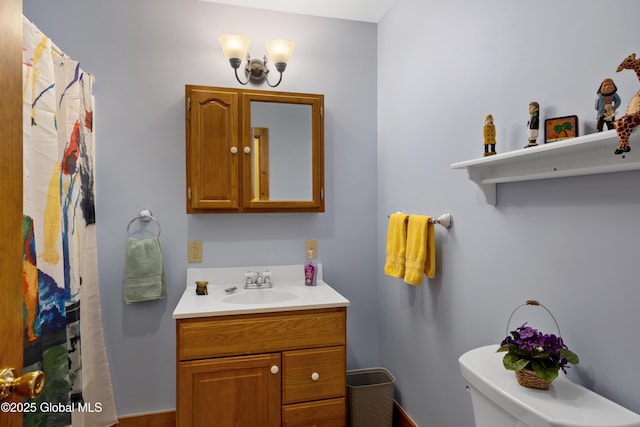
(256, 70)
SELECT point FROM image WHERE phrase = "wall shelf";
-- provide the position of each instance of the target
(584, 155)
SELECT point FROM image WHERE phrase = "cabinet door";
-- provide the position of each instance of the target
(229, 392)
(287, 130)
(212, 149)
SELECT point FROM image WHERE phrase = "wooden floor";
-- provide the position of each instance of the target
(400, 417)
(160, 419)
(168, 419)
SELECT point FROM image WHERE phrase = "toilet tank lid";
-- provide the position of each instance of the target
(565, 404)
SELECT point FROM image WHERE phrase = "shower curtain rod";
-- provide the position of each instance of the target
(55, 48)
(59, 51)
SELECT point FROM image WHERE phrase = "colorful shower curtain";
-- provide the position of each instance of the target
(62, 314)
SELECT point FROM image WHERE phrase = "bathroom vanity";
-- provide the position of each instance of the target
(260, 357)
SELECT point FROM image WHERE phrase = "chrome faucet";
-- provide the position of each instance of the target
(262, 280)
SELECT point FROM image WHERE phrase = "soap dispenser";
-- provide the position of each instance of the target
(310, 269)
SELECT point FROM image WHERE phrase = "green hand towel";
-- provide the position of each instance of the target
(144, 275)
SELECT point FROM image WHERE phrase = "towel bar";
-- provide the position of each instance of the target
(445, 220)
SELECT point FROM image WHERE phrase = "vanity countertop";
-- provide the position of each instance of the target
(288, 293)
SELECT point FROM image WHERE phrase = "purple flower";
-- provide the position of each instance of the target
(546, 354)
(526, 332)
(527, 338)
(553, 344)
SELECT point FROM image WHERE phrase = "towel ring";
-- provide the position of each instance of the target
(144, 215)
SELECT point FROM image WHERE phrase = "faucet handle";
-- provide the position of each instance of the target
(248, 278)
(267, 277)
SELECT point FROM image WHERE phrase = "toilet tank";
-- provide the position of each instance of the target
(499, 401)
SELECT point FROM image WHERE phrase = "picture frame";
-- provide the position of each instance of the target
(559, 128)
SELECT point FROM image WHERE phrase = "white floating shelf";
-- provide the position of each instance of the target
(584, 155)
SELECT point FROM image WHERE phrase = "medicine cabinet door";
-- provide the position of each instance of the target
(212, 150)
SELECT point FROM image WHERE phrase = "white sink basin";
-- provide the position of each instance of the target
(260, 296)
(288, 293)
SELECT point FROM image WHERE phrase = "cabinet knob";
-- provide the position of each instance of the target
(234, 150)
(275, 369)
(247, 150)
(315, 376)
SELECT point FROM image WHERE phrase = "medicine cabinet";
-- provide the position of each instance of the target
(254, 151)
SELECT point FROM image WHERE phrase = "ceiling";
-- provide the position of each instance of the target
(356, 10)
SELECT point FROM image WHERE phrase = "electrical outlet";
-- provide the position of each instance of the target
(311, 245)
(194, 251)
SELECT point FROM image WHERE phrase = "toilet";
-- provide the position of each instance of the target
(499, 401)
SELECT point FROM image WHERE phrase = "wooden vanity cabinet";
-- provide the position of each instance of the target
(268, 369)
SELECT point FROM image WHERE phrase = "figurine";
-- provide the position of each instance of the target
(631, 119)
(533, 123)
(607, 102)
(489, 136)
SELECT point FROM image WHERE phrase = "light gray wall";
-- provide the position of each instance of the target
(570, 243)
(143, 53)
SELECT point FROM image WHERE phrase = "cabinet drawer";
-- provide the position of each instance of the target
(259, 333)
(323, 413)
(313, 374)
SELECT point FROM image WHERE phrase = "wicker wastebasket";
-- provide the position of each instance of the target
(370, 397)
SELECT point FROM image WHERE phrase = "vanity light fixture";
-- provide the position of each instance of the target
(236, 47)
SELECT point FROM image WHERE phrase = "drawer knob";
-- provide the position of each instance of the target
(274, 369)
(315, 376)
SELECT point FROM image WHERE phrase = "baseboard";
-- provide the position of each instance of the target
(156, 419)
(401, 418)
(168, 419)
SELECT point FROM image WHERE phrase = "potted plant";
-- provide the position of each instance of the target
(536, 357)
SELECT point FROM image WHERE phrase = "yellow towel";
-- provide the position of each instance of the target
(430, 262)
(396, 245)
(421, 254)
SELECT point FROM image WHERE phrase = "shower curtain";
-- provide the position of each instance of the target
(62, 314)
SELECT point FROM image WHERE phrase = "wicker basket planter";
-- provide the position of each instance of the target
(528, 378)
(535, 357)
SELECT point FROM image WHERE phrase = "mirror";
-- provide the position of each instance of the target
(285, 170)
(254, 151)
(281, 165)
